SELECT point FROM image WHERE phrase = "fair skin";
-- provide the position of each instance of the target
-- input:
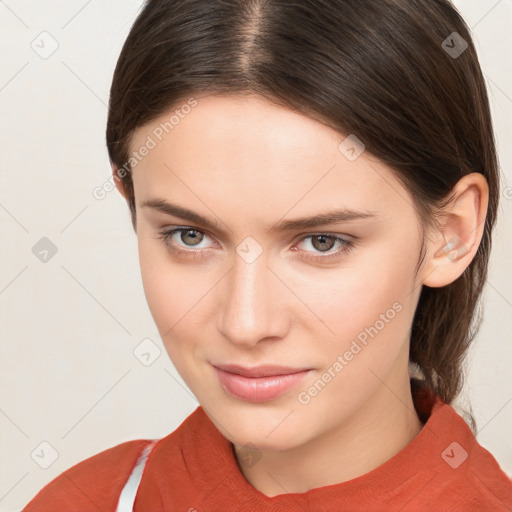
(249, 164)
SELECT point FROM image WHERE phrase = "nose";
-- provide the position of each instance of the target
(253, 304)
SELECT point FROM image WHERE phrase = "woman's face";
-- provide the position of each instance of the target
(252, 288)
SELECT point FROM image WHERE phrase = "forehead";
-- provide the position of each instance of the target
(255, 155)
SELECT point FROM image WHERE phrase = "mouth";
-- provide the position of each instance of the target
(258, 384)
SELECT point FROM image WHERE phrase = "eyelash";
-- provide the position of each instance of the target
(347, 245)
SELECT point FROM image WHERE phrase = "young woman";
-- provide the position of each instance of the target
(313, 186)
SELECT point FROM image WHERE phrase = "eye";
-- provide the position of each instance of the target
(192, 237)
(324, 242)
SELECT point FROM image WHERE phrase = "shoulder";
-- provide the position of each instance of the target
(96, 483)
(473, 488)
(93, 484)
(490, 487)
(483, 482)
(467, 475)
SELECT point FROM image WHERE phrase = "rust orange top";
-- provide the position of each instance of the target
(194, 469)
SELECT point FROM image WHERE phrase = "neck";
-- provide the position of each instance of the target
(386, 424)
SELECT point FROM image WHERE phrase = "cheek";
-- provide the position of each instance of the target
(349, 299)
(371, 314)
(177, 297)
(170, 288)
(365, 314)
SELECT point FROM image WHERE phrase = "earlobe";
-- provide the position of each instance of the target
(455, 246)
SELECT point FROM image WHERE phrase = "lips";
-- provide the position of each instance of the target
(259, 371)
(258, 384)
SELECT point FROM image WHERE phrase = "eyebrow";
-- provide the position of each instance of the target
(330, 217)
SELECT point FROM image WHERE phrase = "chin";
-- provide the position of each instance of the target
(264, 427)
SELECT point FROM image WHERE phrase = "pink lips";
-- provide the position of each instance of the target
(258, 384)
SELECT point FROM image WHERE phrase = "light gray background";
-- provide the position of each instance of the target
(69, 326)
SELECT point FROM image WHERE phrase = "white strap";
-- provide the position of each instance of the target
(129, 492)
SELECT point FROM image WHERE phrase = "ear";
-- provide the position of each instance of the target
(452, 248)
(117, 178)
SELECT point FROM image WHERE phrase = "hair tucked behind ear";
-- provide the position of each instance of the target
(374, 68)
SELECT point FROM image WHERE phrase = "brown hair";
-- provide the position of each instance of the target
(379, 69)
